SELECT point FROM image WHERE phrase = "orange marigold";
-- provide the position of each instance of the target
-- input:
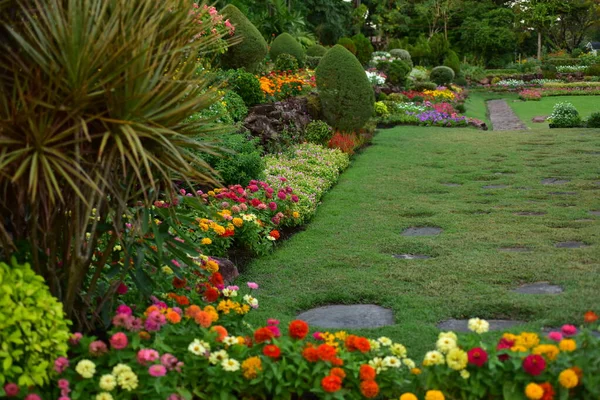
(369, 389)
(326, 352)
(367, 373)
(203, 319)
(331, 383)
(221, 332)
(298, 329)
(173, 317)
(337, 372)
(310, 354)
(262, 335)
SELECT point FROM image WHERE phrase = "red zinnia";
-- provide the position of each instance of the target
(477, 356)
(310, 354)
(182, 301)
(369, 389)
(326, 352)
(367, 373)
(272, 351)
(534, 364)
(211, 295)
(217, 279)
(337, 372)
(275, 234)
(262, 335)
(504, 344)
(228, 233)
(331, 383)
(548, 391)
(179, 283)
(590, 317)
(362, 344)
(298, 329)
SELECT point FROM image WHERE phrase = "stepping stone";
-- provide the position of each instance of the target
(411, 256)
(461, 325)
(596, 213)
(348, 316)
(452, 184)
(538, 288)
(530, 213)
(563, 193)
(570, 245)
(584, 220)
(538, 120)
(422, 231)
(515, 249)
(554, 181)
(495, 187)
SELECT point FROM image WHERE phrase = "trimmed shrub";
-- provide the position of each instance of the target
(318, 132)
(452, 61)
(397, 72)
(286, 62)
(564, 115)
(594, 120)
(593, 70)
(312, 62)
(33, 329)
(420, 86)
(247, 86)
(348, 44)
(241, 167)
(313, 104)
(442, 75)
(397, 97)
(346, 95)
(403, 55)
(286, 44)
(364, 48)
(316, 50)
(461, 81)
(252, 48)
(235, 106)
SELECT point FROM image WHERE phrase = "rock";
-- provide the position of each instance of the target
(539, 288)
(348, 316)
(411, 256)
(515, 249)
(227, 269)
(538, 119)
(570, 245)
(484, 81)
(595, 213)
(554, 181)
(422, 231)
(495, 187)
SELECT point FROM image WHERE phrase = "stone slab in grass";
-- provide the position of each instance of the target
(495, 187)
(349, 316)
(539, 288)
(570, 245)
(596, 213)
(515, 249)
(412, 256)
(422, 231)
(563, 193)
(554, 181)
(461, 325)
(531, 213)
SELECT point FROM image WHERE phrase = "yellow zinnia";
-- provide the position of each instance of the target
(567, 345)
(434, 395)
(568, 378)
(533, 391)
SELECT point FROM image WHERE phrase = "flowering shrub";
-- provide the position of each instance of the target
(418, 74)
(440, 94)
(511, 83)
(346, 142)
(375, 77)
(571, 68)
(282, 85)
(208, 16)
(530, 94)
(564, 115)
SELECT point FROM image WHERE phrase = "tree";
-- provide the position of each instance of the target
(490, 38)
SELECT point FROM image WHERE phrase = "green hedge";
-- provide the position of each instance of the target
(252, 48)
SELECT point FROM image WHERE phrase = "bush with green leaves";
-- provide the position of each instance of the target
(564, 115)
(234, 103)
(593, 70)
(33, 328)
(250, 47)
(318, 132)
(364, 48)
(442, 75)
(594, 120)
(395, 44)
(381, 110)
(397, 72)
(403, 55)
(346, 94)
(286, 44)
(452, 61)
(286, 62)
(397, 97)
(247, 86)
(312, 62)
(316, 50)
(418, 74)
(241, 160)
(348, 44)
(424, 85)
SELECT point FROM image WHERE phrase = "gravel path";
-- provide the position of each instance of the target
(503, 117)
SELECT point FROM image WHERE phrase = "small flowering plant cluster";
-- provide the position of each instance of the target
(376, 78)
(211, 23)
(511, 83)
(571, 68)
(278, 85)
(436, 118)
(560, 365)
(530, 94)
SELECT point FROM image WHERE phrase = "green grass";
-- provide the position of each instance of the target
(476, 104)
(526, 110)
(345, 254)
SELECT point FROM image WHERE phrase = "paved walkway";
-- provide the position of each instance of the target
(503, 117)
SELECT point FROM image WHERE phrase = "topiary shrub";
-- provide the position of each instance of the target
(316, 50)
(594, 120)
(442, 75)
(286, 62)
(33, 329)
(235, 106)
(397, 72)
(252, 48)
(364, 48)
(451, 60)
(346, 94)
(419, 86)
(247, 86)
(318, 132)
(241, 167)
(593, 70)
(348, 44)
(461, 81)
(403, 55)
(564, 115)
(312, 62)
(286, 44)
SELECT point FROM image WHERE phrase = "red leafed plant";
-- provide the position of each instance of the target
(346, 142)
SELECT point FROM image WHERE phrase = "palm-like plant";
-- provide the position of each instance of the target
(94, 96)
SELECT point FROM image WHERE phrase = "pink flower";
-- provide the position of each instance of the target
(261, 206)
(233, 287)
(97, 348)
(244, 207)
(145, 356)
(318, 336)
(11, 389)
(274, 329)
(118, 341)
(134, 325)
(75, 338)
(121, 319)
(252, 285)
(63, 384)
(569, 330)
(60, 364)
(281, 195)
(273, 206)
(157, 370)
(295, 198)
(174, 397)
(169, 361)
(32, 396)
(122, 288)
(556, 336)
(235, 209)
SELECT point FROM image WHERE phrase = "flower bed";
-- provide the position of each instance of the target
(530, 94)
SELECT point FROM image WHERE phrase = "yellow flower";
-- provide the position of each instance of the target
(433, 358)
(238, 222)
(214, 315)
(167, 270)
(434, 395)
(128, 380)
(398, 350)
(510, 337)
(218, 229)
(296, 214)
(548, 350)
(204, 227)
(212, 266)
(206, 241)
(567, 345)
(527, 340)
(519, 349)
(457, 359)
(465, 374)
(251, 367)
(408, 396)
(415, 371)
(104, 396)
(120, 368)
(108, 382)
(445, 344)
(478, 325)
(86, 368)
(568, 378)
(533, 391)
(450, 335)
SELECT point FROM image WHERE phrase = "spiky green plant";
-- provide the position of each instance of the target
(94, 96)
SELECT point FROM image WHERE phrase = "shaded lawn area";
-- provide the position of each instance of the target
(345, 254)
(526, 110)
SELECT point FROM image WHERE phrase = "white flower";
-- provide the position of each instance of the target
(230, 364)
(465, 374)
(108, 382)
(253, 302)
(229, 293)
(374, 344)
(445, 344)
(197, 348)
(218, 356)
(450, 335)
(120, 368)
(271, 238)
(86, 368)
(398, 350)
(433, 358)
(478, 325)
(104, 396)
(377, 364)
(230, 340)
(409, 363)
(392, 362)
(385, 341)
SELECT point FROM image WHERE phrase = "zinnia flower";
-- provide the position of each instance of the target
(157, 370)
(367, 373)
(534, 364)
(11, 389)
(272, 351)
(569, 330)
(568, 378)
(567, 345)
(107, 382)
(434, 395)
(331, 383)
(590, 317)
(230, 365)
(298, 329)
(533, 391)
(408, 396)
(86, 368)
(118, 341)
(477, 356)
(369, 389)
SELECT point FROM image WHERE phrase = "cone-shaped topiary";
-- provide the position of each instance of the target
(251, 48)
(347, 97)
(316, 50)
(452, 61)
(286, 44)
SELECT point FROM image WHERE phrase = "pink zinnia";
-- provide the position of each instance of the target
(569, 330)
(75, 338)
(157, 370)
(295, 198)
(63, 384)
(119, 341)
(11, 389)
(273, 206)
(134, 325)
(60, 364)
(252, 285)
(122, 288)
(274, 329)
(121, 320)
(282, 195)
(97, 348)
(145, 356)
(169, 361)
(556, 336)
(272, 321)
(318, 336)
(32, 396)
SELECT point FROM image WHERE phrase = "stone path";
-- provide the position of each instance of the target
(503, 117)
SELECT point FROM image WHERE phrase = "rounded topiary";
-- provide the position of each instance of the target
(364, 48)
(452, 61)
(251, 49)
(286, 62)
(346, 94)
(286, 44)
(594, 120)
(318, 132)
(442, 75)
(312, 62)
(247, 86)
(316, 50)
(402, 54)
(397, 72)
(33, 328)
(348, 44)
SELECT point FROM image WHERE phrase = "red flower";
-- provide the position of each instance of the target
(122, 288)
(298, 329)
(310, 354)
(354, 343)
(272, 351)
(477, 356)
(326, 352)
(331, 383)
(211, 294)
(367, 373)
(275, 234)
(534, 364)
(504, 344)
(255, 202)
(217, 279)
(337, 372)
(590, 317)
(179, 283)
(369, 389)
(548, 391)
(228, 233)
(182, 301)
(262, 335)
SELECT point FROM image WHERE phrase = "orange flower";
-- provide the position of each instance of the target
(326, 352)
(331, 383)
(203, 319)
(192, 310)
(298, 329)
(578, 372)
(221, 332)
(354, 343)
(367, 373)
(182, 301)
(144, 335)
(590, 317)
(338, 362)
(275, 234)
(173, 317)
(369, 389)
(272, 351)
(548, 391)
(262, 335)
(337, 372)
(310, 354)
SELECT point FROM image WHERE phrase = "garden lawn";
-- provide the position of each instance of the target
(345, 253)
(477, 107)
(526, 110)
